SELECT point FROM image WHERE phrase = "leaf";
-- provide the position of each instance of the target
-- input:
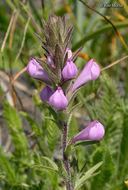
(36, 166)
(15, 127)
(87, 175)
(51, 162)
(52, 135)
(32, 123)
(71, 147)
(54, 114)
(85, 143)
(123, 154)
(75, 107)
(62, 171)
(107, 169)
(68, 149)
(7, 167)
(72, 127)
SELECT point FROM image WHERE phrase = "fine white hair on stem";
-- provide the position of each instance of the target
(8, 30)
(22, 44)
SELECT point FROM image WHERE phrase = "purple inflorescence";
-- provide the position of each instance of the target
(94, 131)
(90, 72)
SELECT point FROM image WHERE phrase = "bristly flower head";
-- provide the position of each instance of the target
(58, 100)
(94, 131)
(59, 61)
(90, 72)
(36, 71)
(46, 94)
(69, 71)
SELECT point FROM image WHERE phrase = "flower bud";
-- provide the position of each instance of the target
(58, 100)
(90, 72)
(36, 71)
(69, 71)
(69, 53)
(94, 131)
(46, 94)
(50, 61)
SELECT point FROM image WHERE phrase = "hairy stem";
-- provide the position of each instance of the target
(65, 159)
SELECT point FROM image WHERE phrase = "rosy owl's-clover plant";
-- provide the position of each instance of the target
(61, 71)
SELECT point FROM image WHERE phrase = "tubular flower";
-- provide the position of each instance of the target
(58, 100)
(90, 72)
(69, 71)
(94, 131)
(36, 71)
(46, 94)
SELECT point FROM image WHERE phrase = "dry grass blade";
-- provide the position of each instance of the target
(28, 11)
(12, 82)
(7, 33)
(114, 63)
(10, 62)
(22, 44)
(13, 29)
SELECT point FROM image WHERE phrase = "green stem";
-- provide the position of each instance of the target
(65, 159)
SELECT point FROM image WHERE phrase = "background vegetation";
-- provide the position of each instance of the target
(30, 139)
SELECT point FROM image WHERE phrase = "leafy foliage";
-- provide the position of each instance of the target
(15, 126)
(107, 169)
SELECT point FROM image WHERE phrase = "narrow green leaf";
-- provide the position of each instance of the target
(85, 143)
(62, 170)
(51, 162)
(15, 127)
(32, 123)
(123, 155)
(87, 175)
(72, 127)
(43, 167)
(107, 169)
(7, 167)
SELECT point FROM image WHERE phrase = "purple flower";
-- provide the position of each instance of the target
(36, 71)
(94, 131)
(90, 72)
(58, 100)
(50, 61)
(69, 71)
(46, 94)
(69, 53)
